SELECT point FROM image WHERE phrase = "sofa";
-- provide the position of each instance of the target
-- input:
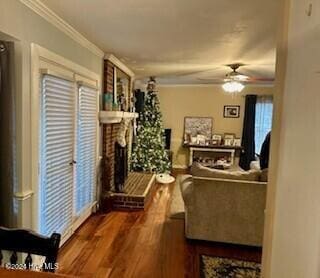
(224, 206)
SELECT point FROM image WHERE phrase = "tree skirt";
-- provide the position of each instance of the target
(165, 178)
(216, 267)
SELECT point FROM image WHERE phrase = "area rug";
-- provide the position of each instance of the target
(177, 205)
(216, 267)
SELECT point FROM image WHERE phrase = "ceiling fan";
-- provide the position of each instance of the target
(235, 81)
(210, 74)
(237, 76)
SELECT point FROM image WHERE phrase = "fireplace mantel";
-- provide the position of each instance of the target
(113, 117)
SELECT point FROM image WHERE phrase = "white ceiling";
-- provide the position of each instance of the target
(179, 41)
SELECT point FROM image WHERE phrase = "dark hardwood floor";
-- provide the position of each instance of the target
(140, 244)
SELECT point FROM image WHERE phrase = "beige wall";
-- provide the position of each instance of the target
(25, 27)
(178, 102)
(295, 246)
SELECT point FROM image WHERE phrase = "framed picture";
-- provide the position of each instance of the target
(194, 126)
(229, 136)
(215, 142)
(231, 111)
(216, 139)
(237, 142)
(201, 139)
(228, 142)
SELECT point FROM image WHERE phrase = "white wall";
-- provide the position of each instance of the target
(26, 27)
(295, 249)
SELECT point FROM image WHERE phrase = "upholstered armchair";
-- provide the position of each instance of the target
(224, 210)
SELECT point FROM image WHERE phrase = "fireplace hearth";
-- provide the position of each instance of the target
(138, 191)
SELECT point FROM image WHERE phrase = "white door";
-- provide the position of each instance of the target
(56, 150)
(86, 147)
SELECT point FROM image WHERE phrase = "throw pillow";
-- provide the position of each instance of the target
(201, 171)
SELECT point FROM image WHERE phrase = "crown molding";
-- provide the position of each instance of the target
(114, 60)
(42, 10)
(268, 85)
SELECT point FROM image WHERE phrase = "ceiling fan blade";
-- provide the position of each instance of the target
(261, 79)
(238, 76)
(190, 73)
(242, 78)
(212, 80)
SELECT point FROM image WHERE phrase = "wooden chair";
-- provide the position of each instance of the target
(28, 242)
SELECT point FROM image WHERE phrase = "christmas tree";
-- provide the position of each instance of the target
(149, 152)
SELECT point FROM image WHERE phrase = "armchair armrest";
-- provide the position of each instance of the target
(186, 187)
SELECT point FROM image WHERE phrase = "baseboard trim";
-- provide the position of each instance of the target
(177, 166)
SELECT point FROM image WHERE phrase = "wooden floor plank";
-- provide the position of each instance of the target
(140, 244)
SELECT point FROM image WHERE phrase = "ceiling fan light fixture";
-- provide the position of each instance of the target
(233, 87)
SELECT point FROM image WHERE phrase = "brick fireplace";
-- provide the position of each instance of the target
(138, 187)
(111, 126)
(110, 132)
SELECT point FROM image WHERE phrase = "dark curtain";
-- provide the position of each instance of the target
(7, 138)
(248, 142)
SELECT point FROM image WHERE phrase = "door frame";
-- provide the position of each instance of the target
(42, 58)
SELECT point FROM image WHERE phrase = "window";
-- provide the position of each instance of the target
(263, 124)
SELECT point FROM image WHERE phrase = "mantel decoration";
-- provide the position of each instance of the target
(149, 152)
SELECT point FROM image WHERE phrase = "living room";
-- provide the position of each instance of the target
(210, 101)
(136, 138)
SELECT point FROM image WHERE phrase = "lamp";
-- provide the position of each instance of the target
(232, 86)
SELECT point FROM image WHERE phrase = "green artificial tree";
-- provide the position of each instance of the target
(149, 152)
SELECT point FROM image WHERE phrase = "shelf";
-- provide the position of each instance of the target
(226, 147)
(130, 115)
(232, 153)
(114, 117)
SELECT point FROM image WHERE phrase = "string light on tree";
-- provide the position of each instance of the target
(149, 152)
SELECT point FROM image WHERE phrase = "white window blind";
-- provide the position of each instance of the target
(86, 148)
(263, 122)
(56, 143)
